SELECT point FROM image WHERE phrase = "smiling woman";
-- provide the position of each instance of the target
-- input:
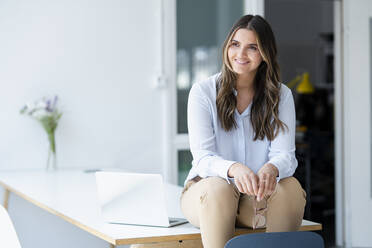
(241, 125)
(250, 67)
(244, 56)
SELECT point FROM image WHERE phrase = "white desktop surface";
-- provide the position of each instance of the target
(72, 195)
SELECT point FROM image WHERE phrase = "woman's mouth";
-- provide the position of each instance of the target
(241, 61)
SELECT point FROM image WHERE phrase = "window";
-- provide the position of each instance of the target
(201, 30)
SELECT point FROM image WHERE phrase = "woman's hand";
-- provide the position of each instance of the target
(267, 180)
(245, 179)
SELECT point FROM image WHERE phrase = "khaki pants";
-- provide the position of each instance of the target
(216, 207)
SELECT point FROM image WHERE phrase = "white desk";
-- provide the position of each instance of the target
(72, 196)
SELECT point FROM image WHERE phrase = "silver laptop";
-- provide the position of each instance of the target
(135, 199)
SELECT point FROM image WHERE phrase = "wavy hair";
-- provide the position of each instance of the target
(265, 103)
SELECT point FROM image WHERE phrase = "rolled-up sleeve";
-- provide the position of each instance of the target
(282, 148)
(206, 162)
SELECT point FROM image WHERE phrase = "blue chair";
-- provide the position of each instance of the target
(276, 240)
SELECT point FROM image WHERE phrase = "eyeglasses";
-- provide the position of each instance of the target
(259, 219)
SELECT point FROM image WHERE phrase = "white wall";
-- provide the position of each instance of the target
(357, 122)
(102, 58)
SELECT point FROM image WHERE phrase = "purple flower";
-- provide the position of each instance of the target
(48, 106)
(45, 107)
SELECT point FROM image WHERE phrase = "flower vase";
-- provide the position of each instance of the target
(52, 156)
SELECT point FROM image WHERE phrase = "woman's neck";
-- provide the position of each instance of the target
(245, 82)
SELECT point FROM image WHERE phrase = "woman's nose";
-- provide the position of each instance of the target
(241, 52)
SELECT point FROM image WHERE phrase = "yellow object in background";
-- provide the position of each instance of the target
(305, 87)
(303, 83)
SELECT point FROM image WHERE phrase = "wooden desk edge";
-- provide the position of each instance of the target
(194, 236)
(66, 218)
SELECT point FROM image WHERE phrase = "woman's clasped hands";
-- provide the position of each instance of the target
(260, 185)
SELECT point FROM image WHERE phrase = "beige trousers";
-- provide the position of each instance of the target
(216, 207)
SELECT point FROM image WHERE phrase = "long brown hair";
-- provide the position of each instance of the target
(265, 103)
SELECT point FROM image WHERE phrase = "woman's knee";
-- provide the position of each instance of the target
(286, 206)
(217, 189)
(290, 190)
(212, 195)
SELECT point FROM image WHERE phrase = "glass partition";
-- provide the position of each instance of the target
(184, 165)
(201, 29)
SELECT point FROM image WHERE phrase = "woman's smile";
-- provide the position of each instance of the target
(241, 61)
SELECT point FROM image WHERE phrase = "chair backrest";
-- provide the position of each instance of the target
(277, 239)
(8, 236)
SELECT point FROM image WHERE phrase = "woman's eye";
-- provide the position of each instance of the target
(253, 48)
(234, 44)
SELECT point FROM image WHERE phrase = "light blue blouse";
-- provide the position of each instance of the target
(214, 150)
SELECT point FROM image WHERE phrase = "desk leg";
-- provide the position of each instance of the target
(6, 198)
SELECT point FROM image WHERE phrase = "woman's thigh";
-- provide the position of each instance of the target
(208, 194)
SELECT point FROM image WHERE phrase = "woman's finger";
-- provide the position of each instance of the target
(249, 186)
(244, 187)
(268, 182)
(261, 188)
(274, 186)
(244, 181)
(239, 186)
(254, 181)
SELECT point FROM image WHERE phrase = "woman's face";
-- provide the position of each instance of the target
(243, 52)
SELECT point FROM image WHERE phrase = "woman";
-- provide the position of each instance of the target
(242, 137)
